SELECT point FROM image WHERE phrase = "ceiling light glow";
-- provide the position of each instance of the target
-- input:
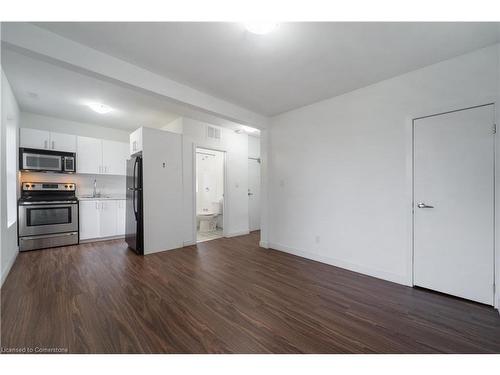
(261, 28)
(248, 129)
(100, 108)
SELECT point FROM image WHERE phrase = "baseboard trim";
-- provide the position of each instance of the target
(264, 244)
(398, 279)
(99, 239)
(189, 243)
(236, 234)
(10, 263)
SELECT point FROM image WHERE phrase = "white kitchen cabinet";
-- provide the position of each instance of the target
(89, 219)
(114, 157)
(102, 218)
(108, 220)
(136, 141)
(121, 218)
(100, 156)
(34, 138)
(62, 142)
(88, 155)
(45, 140)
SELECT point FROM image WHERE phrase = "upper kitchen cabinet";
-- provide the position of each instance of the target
(136, 141)
(62, 142)
(45, 140)
(114, 157)
(100, 156)
(34, 138)
(88, 155)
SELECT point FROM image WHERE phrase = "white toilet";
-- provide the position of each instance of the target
(207, 217)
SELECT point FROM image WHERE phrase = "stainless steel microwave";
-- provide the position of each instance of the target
(46, 161)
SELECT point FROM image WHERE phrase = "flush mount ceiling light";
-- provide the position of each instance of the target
(100, 108)
(247, 130)
(261, 28)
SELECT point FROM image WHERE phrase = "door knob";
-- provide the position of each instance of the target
(423, 205)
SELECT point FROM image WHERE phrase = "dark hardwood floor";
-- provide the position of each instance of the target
(226, 296)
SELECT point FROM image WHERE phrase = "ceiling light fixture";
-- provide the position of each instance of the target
(261, 28)
(100, 108)
(249, 129)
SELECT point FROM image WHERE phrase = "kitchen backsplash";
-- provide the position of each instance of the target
(106, 184)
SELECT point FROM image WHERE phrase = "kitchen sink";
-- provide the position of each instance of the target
(95, 196)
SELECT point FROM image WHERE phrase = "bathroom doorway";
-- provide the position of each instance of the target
(209, 192)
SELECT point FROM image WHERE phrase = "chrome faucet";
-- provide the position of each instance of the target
(94, 193)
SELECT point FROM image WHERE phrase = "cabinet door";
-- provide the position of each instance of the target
(109, 214)
(136, 141)
(89, 220)
(62, 142)
(120, 220)
(34, 138)
(88, 155)
(114, 157)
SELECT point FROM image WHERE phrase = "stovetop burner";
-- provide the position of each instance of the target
(47, 192)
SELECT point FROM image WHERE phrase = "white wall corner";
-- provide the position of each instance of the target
(8, 266)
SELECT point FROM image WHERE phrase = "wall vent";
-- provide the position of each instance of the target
(213, 133)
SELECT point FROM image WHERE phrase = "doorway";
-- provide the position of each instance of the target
(453, 203)
(209, 192)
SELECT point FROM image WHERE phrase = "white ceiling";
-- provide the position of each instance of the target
(64, 93)
(297, 64)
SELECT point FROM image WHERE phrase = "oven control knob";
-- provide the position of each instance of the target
(66, 186)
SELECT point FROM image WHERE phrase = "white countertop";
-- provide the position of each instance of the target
(105, 198)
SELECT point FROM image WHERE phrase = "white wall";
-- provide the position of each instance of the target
(340, 170)
(497, 185)
(162, 190)
(236, 193)
(8, 231)
(174, 126)
(253, 147)
(36, 121)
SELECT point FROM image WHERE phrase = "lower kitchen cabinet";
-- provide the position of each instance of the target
(89, 220)
(102, 218)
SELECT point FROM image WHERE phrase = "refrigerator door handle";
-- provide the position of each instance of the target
(135, 188)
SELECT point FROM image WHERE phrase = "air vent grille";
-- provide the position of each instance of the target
(213, 133)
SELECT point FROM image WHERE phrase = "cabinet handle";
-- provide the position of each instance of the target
(53, 145)
(45, 144)
(96, 206)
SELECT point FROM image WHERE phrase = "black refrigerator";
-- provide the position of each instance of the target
(134, 232)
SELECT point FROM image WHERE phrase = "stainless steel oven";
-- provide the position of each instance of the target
(50, 217)
(47, 215)
(46, 161)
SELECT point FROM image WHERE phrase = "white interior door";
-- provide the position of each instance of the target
(454, 203)
(254, 194)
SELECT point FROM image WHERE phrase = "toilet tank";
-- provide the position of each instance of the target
(217, 207)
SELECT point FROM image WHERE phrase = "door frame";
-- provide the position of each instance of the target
(411, 262)
(225, 201)
(258, 160)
